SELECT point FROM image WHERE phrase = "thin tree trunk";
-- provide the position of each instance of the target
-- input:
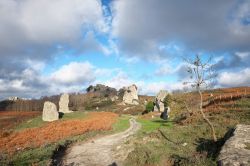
(205, 118)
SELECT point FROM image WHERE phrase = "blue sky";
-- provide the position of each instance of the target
(50, 47)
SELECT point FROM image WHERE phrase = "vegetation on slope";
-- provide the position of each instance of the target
(71, 128)
(186, 140)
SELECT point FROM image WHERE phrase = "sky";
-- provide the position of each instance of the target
(50, 47)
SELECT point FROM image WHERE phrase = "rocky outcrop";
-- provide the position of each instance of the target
(50, 112)
(159, 101)
(102, 90)
(131, 95)
(13, 98)
(236, 150)
(64, 104)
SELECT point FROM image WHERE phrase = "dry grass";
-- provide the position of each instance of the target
(54, 131)
(9, 119)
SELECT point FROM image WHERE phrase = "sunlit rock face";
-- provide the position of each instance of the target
(131, 95)
(64, 104)
(50, 112)
(159, 101)
(236, 150)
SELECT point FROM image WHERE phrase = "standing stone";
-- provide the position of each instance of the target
(130, 95)
(159, 101)
(236, 150)
(50, 112)
(64, 104)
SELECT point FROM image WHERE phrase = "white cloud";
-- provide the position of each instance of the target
(34, 29)
(154, 87)
(119, 81)
(207, 25)
(74, 73)
(241, 78)
(144, 88)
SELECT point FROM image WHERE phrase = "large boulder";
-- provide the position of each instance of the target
(64, 103)
(236, 150)
(131, 95)
(159, 101)
(50, 112)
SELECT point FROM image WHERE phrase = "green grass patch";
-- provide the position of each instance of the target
(243, 103)
(154, 124)
(31, 123)
(38, 122)
(122, 124)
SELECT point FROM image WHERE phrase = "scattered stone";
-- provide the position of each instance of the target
(184, 144)
(131, 95)
(159, 101)
(235, 151)
(64, 103)
(50, 112)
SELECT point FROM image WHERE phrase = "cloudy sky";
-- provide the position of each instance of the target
(53, 46)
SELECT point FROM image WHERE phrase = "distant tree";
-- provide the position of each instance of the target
(201, 76)
(89, 88)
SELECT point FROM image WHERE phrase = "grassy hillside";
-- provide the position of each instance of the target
(185, 139)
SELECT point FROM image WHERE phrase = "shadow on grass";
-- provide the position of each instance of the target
(213, 148)
(61, 115)
(160, 121)
(178, 160)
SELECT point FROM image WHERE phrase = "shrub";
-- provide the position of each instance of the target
(149, 106)
(167, 101)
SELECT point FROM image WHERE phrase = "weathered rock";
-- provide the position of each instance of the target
(114, 98)
(159, 101)
(131, 95)
(64, 104)
(13, 98)
(50, 112)
(236, 150)
(159, 106)
(102, 90)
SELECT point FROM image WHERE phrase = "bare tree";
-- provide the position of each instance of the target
(201, 76)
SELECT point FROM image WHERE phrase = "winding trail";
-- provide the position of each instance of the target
(108, 150)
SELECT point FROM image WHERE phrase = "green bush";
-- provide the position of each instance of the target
(167, 100)
(149, 106)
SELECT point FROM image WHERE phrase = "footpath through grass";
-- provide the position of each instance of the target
(42, 155)
(186, 143)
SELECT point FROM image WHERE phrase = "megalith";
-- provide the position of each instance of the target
(50, 112)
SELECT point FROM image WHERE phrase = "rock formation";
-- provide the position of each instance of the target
(64, 104)
(236, 150)
(102, 91)
(159, 101)
(13, 98)
(50, 112)
(131, 95)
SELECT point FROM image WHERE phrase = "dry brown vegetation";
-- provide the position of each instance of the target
(8, 119)
(54, 131)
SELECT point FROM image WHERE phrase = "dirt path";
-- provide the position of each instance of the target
(108, 150)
